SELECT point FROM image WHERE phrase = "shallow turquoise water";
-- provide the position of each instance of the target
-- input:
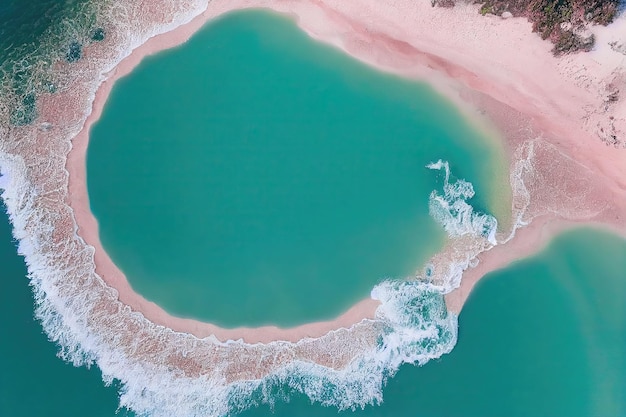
(543, 337)
(254, 176)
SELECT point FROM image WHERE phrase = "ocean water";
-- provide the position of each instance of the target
(254, 176)
(412, 325)
(34, 35)
(33, 381)
(545, 336)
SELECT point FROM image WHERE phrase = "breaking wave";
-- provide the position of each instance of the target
(412, 325)
(162, 372)
(454, 213)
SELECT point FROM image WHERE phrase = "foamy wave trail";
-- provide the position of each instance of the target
(415, 327)
(454, 213)
(4, 182)
(166, 373)
(412, 326)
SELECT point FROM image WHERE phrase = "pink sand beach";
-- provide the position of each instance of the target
(563, 129)
(499, 72)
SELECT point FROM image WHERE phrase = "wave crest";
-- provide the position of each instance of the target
(165, 373)
(454, 213)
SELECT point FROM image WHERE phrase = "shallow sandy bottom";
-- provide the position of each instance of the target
(523, 91)
(554, 116)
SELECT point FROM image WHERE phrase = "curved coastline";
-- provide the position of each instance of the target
(113, 276)
(552, 113)
(322, 20)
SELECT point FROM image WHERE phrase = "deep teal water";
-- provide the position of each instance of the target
(33, 36)
(544, 337)
(33, 381)
(254, 176)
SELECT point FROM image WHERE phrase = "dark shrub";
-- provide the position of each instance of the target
(74, 53)
(98, 35)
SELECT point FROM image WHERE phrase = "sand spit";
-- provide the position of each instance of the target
(555, 115)
(486, 65)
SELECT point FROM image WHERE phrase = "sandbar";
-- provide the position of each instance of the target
(502, 76)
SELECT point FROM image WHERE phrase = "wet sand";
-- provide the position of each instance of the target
(499, 73)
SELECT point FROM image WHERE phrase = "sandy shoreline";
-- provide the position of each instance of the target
(486, 65)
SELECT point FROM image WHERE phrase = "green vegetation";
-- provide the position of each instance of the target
(486, 8)
(563, 22)
(569, 41)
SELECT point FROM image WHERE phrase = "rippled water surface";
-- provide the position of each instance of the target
(545, 336)
(254, 176)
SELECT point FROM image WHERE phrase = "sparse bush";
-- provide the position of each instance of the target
(556, 20)
(568, 41)
(443, 3)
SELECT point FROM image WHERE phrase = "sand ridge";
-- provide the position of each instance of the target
(496, 70)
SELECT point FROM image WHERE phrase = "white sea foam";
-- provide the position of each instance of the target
(454, 213)
(413, 326)
(165, 373)
(522, 168)
(412, 323)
